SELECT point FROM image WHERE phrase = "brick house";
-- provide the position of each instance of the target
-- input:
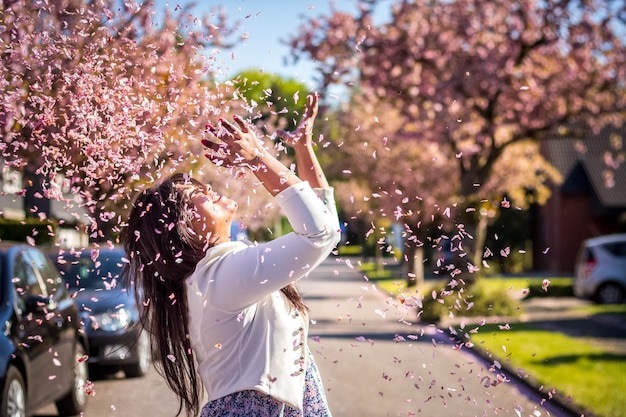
(591, 200)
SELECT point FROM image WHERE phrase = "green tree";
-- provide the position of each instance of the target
(273, 100)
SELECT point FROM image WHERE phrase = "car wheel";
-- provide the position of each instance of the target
(610, 293)
(96, 372)
(13, 394)
(74, 402)
(144, 358)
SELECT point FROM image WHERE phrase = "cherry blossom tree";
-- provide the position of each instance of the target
(378, 176)
(386, 178)
(99, 96)
(482, 81)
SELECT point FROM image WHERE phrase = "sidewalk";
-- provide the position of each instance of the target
(376, 359)
(567, 315)
(563, 315)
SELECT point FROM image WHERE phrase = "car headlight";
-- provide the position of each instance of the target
(111, 321)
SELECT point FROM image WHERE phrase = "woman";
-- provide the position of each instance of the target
(228, 311)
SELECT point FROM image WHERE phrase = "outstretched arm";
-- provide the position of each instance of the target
(301, 141)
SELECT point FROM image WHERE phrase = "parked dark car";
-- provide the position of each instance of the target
(42, 348)
(115, 336)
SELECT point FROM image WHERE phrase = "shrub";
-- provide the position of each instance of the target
(477, 300)
(559, 287)
(350, 250)
(19, 230)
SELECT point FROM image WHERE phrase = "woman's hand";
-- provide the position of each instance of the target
(309, 168)
(303, 135)
(238, 145)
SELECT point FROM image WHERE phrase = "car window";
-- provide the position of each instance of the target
(75, 271)
(83, 272)
(616, 248)
(49, 276)
(26, 280)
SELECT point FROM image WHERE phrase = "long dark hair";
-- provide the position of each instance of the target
(163, 249)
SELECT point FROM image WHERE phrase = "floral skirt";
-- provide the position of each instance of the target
(253, 403)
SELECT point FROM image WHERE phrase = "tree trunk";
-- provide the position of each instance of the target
(414, 262)
(378, 253)
(478, 248)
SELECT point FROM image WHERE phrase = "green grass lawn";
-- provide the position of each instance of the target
(578, 370)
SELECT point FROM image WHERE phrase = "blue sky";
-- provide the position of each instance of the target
(264, 24)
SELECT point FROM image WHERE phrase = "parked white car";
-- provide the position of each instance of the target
(601, 269)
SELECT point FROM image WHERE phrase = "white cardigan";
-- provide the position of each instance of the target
(243, 332)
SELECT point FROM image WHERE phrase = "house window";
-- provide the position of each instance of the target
(62, 183)
(10, 179)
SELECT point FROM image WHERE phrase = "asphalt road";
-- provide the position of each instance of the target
(116, 396)
(375, 360)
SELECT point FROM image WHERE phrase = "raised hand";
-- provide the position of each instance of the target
(303, 135)
(301, 140)
(237, 145)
